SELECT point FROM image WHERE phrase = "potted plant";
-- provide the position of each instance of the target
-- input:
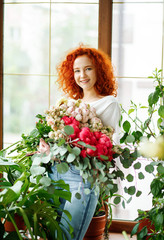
(31, 202)
(148, 137)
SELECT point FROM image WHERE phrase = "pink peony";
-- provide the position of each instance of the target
(83, 153)
(76, 131)
(91, 152)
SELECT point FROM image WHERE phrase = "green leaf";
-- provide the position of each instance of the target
(131, 190)
(130, 178)
(137, 165)
(135, 229)
(63, 194)
(122, 140)
(159, 220)
(138, 193)
(104, 157)
(149, 168)
(156, 187)
(130, 138)
(46, 181)
(141, 176)
(117, 200)
(37, 170)
(142, 233)
(78, 195)
(161, 111)
(123, 204)
(61, 142)
(137, 135)
(87, 191)
(130, 111)
(91, 147)
(62, 167)
(68, 130)
(126, 126)
(76, 151)
(160, 169)
(125, 190)
(71, 157)
(153, 98)
(129, 200)
(63, 151)
(82, 143)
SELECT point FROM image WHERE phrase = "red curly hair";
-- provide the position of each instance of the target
(106, 84)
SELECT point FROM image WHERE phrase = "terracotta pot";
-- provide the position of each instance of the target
(96, 228)
(146, 222)
(9, 227)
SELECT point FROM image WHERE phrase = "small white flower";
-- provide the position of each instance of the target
(51, 134)
(71, 103)
(73, 114)
(52, 108)
(85, 112)
(78, 117)
(78, 110)
(85, 119)
(70, 110)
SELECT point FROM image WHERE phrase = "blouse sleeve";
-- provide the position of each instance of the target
(111, 115)
(108, 110)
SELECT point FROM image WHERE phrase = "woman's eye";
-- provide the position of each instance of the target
(89, 68)
(76, 71)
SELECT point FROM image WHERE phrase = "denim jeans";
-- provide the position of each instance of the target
(81, 210)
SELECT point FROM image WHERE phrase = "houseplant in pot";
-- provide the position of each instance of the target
(148, 136)
(35, 203)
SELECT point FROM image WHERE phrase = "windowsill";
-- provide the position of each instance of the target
(118, 226)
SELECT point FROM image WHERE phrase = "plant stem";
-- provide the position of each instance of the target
(4, 149)
(13, 222)
(125, 235)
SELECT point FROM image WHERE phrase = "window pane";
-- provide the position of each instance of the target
(26, 38)
(137, 1)
(137, 38)
(138, 91)
(52, 1)
(72, 24)
(56, 93)
(24, 98)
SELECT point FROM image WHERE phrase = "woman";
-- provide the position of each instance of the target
(86, 74)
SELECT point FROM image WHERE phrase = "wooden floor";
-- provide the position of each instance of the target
(119, 236)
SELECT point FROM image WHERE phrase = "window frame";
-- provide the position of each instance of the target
(1, 73)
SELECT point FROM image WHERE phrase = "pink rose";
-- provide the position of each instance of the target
(43, 147)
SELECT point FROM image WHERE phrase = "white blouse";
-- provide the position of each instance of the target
(108, 110)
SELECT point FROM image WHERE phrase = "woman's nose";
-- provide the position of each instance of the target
(82, 74)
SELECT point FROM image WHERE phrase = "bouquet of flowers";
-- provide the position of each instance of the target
(71, 133)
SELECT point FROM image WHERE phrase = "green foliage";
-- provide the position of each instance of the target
(149, 129)
(32, 195)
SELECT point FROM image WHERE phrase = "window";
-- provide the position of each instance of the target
(36, 36)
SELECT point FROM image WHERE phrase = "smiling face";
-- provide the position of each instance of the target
(84, 73)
